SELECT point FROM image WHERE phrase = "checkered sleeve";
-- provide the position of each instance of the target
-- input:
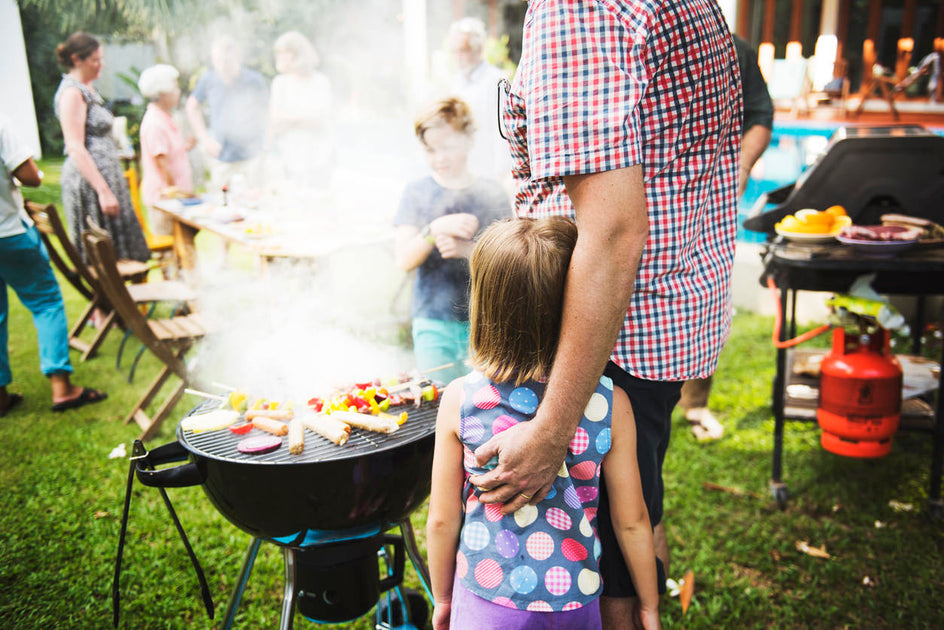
(584, 88)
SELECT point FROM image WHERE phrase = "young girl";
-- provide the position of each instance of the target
(537, 567)
(437, 222)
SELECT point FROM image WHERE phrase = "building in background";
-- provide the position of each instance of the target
(841, 38)
(16, 97)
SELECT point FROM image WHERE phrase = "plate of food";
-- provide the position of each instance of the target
(813, 226)
(930, 234)
(878, 240)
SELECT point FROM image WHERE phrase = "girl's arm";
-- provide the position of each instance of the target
(72, 114)
(444, 520)
(628, 509)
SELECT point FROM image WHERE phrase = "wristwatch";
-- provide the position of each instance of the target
(427, 234)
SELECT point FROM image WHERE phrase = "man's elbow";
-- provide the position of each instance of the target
(28, 174)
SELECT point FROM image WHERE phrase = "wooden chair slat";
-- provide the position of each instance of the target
(162, 337)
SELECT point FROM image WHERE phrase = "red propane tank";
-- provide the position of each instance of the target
(859, 395)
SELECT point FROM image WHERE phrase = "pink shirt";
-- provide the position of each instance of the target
(160, 136)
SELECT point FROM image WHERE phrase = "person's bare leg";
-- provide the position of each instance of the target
(661, 544)
(616, 613)
(62, 388)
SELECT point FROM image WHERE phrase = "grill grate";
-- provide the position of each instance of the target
(221, 445)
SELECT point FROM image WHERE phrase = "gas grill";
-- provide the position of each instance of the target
(870, 171)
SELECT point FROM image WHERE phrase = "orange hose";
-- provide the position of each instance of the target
(778, 322)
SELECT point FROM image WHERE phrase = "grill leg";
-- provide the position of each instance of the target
(241, 581)
(412, 550)
(288, 595)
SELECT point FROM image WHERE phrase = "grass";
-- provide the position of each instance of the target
(61, 499)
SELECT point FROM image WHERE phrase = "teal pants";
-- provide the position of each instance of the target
(438, 342)
(24, 267)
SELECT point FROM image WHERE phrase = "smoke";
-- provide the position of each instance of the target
(300, 328)
(303, 328)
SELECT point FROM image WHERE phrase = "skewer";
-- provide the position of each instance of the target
(197, 392)
(222, 386)
(438, 368)
(408, 385)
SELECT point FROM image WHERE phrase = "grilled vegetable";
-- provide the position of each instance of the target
(259, 444)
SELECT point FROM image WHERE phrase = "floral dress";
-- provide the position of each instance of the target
(79, 198)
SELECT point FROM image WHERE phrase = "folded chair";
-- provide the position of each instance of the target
(168, 339)
(66, 258)
(161, 245)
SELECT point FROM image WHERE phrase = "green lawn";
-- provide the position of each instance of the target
(61, 498)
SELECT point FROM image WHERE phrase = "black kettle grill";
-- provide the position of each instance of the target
(329, 508)
(870, 171)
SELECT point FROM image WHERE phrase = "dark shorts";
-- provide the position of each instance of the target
(652, 403)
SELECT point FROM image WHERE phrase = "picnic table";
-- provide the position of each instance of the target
(268, 233)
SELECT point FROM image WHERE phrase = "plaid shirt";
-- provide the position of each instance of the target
(608, 84)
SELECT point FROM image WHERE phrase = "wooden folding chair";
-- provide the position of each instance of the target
(161, 245)
(66, 258)
(167, 339)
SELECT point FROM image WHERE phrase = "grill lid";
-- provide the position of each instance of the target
(870, 171)
(221, 444)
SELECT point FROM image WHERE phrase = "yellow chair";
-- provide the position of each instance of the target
(160, 244)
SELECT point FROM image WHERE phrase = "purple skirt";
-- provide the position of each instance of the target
(471, 612)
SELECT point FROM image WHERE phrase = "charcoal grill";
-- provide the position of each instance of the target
(329, 508)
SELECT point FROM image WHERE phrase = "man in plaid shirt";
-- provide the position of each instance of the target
(626, 116)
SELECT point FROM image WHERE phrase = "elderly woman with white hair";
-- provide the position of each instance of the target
(300, 126)
(164, 164)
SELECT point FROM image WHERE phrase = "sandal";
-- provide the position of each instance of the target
(87, 397)
(12, 401)
(705, 426)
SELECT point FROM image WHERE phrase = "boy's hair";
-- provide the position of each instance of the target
(450, 111)
(518, 270)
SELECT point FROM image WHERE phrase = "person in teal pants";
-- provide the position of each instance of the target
(24, 267)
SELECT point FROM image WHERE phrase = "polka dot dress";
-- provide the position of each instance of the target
(543, 557)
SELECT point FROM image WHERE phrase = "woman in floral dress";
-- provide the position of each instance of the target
(92, 181)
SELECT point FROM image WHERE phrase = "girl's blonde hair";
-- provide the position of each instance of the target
(518, 271)
(450, 111)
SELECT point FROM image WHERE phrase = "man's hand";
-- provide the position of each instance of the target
(212, 147)
(528, 463)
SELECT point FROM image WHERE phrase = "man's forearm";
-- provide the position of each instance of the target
(612, 227)
(753, 144)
